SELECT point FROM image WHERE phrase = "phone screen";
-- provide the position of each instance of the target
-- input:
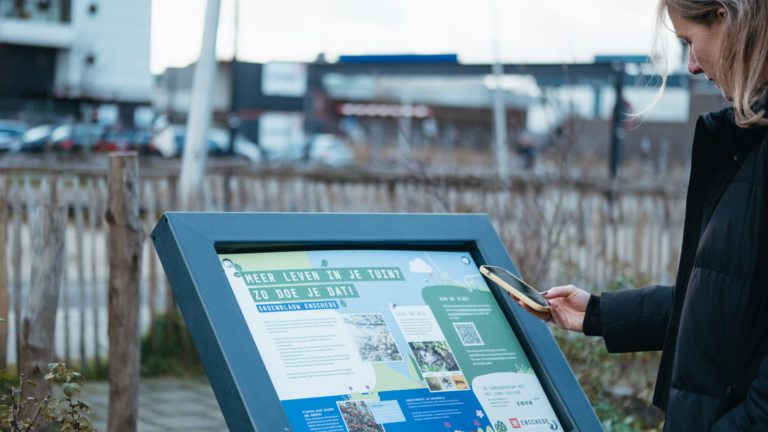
(517, 284)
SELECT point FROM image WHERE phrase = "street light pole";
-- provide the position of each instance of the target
(500, 125)
(233, 121)
(617, 123)
(499, 108)
(199, 119)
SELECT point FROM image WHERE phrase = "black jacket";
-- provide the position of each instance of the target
(713, 325)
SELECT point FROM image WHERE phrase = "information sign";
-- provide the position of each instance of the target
(364, 323)
(384, 340)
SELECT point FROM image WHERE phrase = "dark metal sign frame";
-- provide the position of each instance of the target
(189, 243)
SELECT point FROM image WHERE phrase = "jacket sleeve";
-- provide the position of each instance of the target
(752, 414)
(635, 319)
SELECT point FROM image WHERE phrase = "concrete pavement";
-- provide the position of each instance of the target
(165, 404)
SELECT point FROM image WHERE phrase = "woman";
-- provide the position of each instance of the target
(713, 324)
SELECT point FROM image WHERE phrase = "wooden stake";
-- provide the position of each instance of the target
(64, 299)
(39, 323)
(79, 241)
(93, 212)
(149, 202)
(170, 300)
(16, 264)
(125, 241)
(4, 306)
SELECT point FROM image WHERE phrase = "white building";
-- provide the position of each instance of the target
(96, 50)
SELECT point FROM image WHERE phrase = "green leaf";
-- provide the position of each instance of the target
(237, 274)
(238, 268)
(342, 303)
(71, 389)
(64, 416)
(84, 406)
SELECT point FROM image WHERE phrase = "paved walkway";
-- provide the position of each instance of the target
(165, 404)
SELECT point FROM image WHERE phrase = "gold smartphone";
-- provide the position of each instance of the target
(519, 289)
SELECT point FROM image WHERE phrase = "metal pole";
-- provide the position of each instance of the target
(199, 119)
(500, 125)
(404, 128)
(232, 119)
(499, 108)
(617, 126)
(308, 109)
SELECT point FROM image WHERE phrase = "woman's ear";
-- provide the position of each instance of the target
(722, 13)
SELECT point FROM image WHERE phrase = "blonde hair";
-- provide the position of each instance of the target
(741, 69)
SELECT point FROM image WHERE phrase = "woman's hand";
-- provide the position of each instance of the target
(567, 304)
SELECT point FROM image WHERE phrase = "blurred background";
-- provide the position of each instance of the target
(521, 110)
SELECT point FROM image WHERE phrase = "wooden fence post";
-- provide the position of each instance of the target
(78, 204)
(16, 264)
(170, 300)
(39, 323)
(149, 202)
(125, 241)
(94, 209)
(3, 275)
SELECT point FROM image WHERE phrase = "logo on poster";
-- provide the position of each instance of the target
(515, 423)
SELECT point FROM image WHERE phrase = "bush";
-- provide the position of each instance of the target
(169, 351)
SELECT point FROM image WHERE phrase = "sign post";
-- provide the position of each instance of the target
(364, 323)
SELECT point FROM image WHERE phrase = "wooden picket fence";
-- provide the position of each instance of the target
(557, 230)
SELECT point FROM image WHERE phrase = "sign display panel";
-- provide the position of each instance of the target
(386, 340)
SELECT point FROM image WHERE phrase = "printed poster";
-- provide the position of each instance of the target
(374, 341)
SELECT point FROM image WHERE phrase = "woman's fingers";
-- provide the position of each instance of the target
(557, 315)
(562, 291)
(537, 314)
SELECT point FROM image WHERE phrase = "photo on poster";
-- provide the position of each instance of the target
(434, 356)
(434, 384)
(460, 382)
(468, 334)
(373, 339)
(447, 383)
(358, 417)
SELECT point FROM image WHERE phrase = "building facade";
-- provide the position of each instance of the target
(58, 54)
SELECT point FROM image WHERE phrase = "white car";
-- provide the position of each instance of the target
(170, 143)
(325, 149)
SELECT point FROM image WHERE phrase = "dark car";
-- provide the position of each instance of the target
(11, 135)
(115, 141)
(76, 137)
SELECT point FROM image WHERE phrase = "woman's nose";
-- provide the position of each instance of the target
(693, 65)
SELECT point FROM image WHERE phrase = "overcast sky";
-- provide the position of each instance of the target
(546, 31)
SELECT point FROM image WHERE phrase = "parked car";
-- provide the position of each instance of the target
(76, 136)
(143, 142)
(35, 139)
(170, 143)
(243, 146)
(331, 150)
(11, 135)
(324, 149)
(113, 141)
